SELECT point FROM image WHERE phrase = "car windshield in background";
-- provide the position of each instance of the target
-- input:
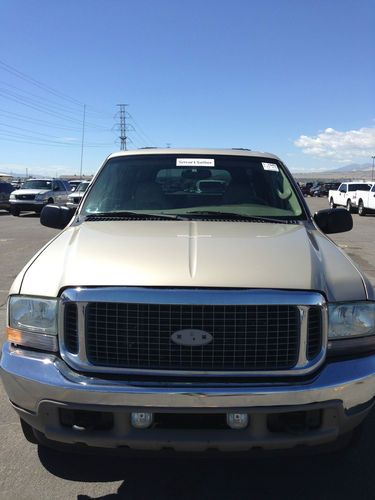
(82, 187)
(37, 184)
(183, 184)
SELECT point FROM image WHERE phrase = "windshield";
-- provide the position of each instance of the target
(82, 187)
(184, 184)
(37, 184)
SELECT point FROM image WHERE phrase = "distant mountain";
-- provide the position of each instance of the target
(354, 167)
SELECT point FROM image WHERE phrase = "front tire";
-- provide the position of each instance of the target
(349, 207)
(361, 209)
(331, 204)
(15, 211)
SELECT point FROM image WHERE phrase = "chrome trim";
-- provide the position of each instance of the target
(32, 377)
(207, 296)
(303, 300)
(304, 312)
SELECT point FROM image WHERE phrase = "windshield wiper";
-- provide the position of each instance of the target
(131, 215)
(235, 216)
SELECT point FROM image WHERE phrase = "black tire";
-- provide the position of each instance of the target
(15, 211)
(331, 204)
(349, 207)
(50, 201)
(28, 432)
(361, 209)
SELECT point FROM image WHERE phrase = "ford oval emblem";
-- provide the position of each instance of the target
(191, 337)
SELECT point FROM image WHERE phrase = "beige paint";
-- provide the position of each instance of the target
(193, 254)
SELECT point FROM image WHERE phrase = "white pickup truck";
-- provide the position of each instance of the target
(346, 195)
(366, 200)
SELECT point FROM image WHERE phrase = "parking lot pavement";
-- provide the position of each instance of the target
(357, 243)
(31, 472)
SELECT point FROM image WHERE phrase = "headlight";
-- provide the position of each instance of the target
(33, 322)
(12, 196)
(352, 319)
(40, 197)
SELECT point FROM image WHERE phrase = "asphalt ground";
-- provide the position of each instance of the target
(31, 472)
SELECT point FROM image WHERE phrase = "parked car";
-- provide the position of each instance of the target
(167, 315)
(36, 193)
(323, 189)
(74, 184)
(345, 195)
(365, 201)
(76, 196)
(5, 189)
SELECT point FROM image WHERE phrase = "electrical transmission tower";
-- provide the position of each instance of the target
(123, 137)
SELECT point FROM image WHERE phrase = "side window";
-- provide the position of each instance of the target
(343, 188)
(373, 189)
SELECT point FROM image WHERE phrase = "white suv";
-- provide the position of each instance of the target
(36, 193)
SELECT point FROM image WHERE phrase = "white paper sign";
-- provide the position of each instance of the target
(272, 167)
(195, 162)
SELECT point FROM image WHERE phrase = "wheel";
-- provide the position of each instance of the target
(331, 204)
(15, 211)
(349, 206)
(50, 201)
(28, 432)
(361, 209)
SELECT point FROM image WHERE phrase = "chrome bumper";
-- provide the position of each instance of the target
(30, 378)
(28, 204)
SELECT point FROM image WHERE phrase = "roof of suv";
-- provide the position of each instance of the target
(194, 151)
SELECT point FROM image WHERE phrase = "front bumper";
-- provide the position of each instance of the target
(39, 384)
(28, 205)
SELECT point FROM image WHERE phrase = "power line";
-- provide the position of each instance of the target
(37, 83)
(12, 96)
(37, 121)
(145, 136)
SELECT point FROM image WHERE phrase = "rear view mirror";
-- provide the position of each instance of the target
(334, 220)
(56, 216)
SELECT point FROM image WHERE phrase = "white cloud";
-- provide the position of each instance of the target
(339, 146)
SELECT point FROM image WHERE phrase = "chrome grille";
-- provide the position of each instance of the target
(137, 330)
(25, 196)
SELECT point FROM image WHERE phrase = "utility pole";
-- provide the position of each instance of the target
(83, 138)
(123, 137)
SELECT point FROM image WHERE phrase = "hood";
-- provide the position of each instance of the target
(193, 254)
(76, 194)
(31, 191)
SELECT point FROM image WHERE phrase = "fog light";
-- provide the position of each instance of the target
(237, 420)
(141, 420)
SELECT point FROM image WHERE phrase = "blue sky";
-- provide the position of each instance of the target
(293, 77)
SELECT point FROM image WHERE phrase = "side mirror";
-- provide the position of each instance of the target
(334, 220)
(56, 216)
